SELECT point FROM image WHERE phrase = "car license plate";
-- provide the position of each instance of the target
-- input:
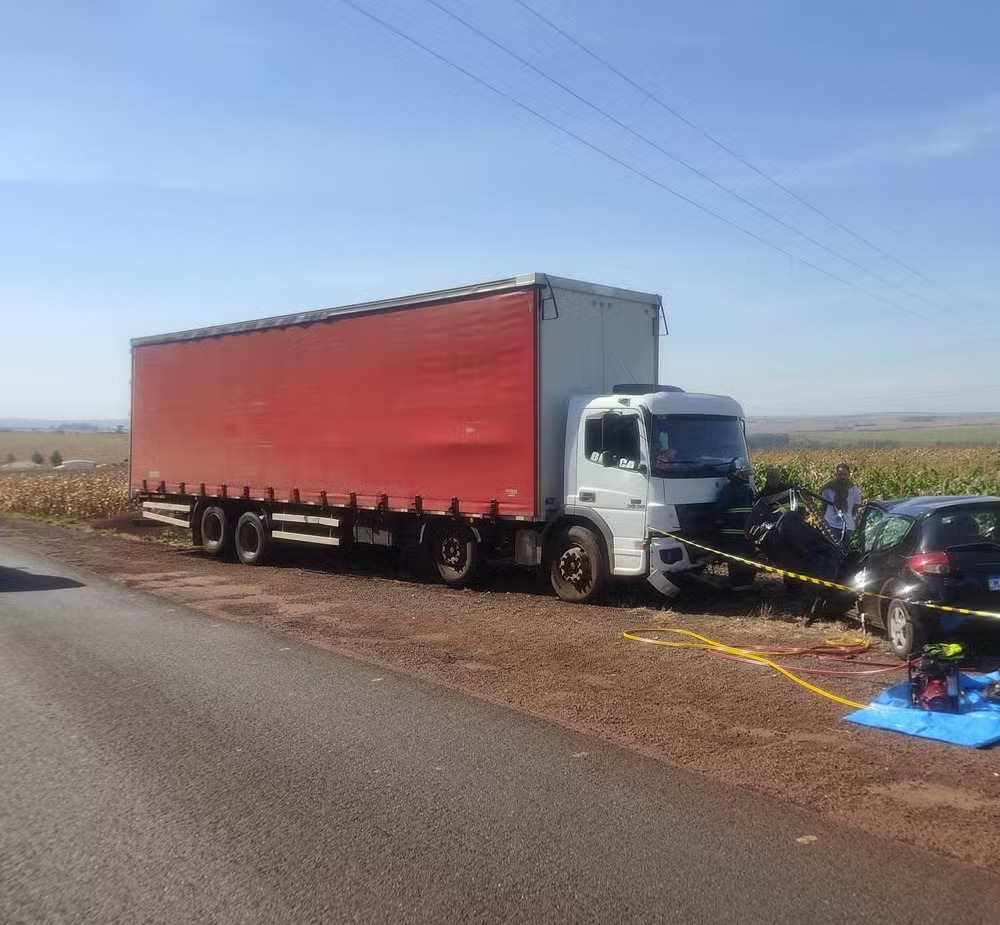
(995, 583)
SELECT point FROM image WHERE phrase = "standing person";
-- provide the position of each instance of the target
(843, 499)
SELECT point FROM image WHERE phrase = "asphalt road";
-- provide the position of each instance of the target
(157, 765)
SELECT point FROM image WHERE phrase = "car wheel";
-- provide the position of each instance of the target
(252, 540)
(577, 570)
(216, 534)
(905, 630)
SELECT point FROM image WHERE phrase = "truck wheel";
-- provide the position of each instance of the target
(252, 540)
(456, 554)
(905, 630)
(576, 569)
(216, 533)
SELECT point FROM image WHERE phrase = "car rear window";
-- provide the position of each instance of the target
(969, 525)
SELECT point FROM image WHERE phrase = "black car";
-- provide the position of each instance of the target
(943, 550)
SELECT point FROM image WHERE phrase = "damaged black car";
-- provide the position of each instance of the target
(906, 553)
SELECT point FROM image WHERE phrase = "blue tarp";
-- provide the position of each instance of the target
(976, 726)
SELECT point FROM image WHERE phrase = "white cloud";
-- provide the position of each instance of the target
(960, 132)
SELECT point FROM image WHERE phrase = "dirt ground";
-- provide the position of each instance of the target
(510, 643)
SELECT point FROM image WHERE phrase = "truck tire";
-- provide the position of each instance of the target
(216, 531)
(456, 553)
(577, 570)
(252, 539)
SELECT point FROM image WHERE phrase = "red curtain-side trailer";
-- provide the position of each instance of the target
(428, 404)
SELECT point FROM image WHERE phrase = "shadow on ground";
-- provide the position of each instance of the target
(16, 579)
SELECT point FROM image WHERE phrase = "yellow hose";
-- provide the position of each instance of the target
(710, 645)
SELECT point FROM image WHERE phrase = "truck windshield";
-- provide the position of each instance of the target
(690, 446)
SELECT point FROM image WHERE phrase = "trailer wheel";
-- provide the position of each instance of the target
(252, 540)
(577, 570)
(456, 553)
(216, 532)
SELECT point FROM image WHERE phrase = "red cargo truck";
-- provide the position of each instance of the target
(470, 422)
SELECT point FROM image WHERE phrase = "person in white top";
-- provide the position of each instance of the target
(844, 499)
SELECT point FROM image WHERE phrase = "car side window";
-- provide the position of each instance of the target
(873, 518)
(891, 531)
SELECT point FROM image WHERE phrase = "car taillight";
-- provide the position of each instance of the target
(930, 563)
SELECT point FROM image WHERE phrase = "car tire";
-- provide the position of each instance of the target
(577, 570)
(252, 539)
(456, 553)
(905, 630)
(216, 531)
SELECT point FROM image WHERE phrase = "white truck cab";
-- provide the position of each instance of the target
(650, 460)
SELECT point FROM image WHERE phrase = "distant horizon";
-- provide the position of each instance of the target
(33, 423)
(872, 414)
(68, 422)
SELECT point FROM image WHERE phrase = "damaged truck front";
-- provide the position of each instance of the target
(501, 421)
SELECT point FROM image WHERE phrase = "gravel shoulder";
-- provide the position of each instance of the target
(509, 644)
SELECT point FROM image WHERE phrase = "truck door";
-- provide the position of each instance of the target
(613, 479)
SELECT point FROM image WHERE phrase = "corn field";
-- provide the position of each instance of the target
(880, 473)
(894, 472)
(82, 495)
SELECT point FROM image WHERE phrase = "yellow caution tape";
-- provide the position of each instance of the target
(710, 645)
(823, 583)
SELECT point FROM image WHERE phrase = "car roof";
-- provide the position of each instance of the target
(925, 505)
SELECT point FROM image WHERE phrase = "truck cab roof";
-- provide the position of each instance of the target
(668, 402)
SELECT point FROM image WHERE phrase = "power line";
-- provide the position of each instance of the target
(664, 151)
(721, 144)
(622, 163)
(757, 170)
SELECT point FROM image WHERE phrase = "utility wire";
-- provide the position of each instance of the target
(669, 154)
(721, 144)
(622, 163)
(933, 303)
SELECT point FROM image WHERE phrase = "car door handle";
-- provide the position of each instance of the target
(588, 496)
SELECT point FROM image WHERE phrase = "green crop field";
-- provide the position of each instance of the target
(893, 472)
(960, 435)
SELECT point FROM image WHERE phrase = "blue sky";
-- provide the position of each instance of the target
(167, 164)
